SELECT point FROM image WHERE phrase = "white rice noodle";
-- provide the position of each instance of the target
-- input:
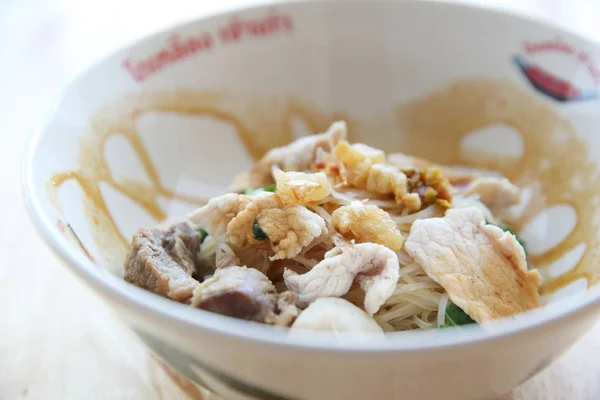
(346, 196)
(321, 212)
(424, 299)
(307, 262)
(423, 324)
(415, 287)
(389, 205)
(415, 303)
(404, 259)
(386, 327)
(398, 312)
(341, 198)
(257, 258)
(429, 212)
(317, 253)
(441, 317)
(320, 245)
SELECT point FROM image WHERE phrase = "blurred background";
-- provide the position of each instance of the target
(57, 341)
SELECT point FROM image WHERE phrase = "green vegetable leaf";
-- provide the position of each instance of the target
(254, 192)
(203, 234)
(259, 234)
(455, 316)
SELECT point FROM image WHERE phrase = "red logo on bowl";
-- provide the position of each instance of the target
(565, 61)
(178, 47)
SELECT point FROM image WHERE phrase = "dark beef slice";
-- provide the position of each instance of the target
(182, 243)
(238, 292)
(162, 261)
(237, 305)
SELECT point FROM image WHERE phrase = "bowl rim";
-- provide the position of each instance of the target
(140, 301)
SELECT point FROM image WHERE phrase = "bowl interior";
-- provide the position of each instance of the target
(159, 126)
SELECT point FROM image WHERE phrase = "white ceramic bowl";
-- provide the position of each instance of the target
(146, 132)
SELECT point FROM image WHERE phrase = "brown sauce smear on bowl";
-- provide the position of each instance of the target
(431, 127)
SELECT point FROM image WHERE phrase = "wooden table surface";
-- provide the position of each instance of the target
(57, 340)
